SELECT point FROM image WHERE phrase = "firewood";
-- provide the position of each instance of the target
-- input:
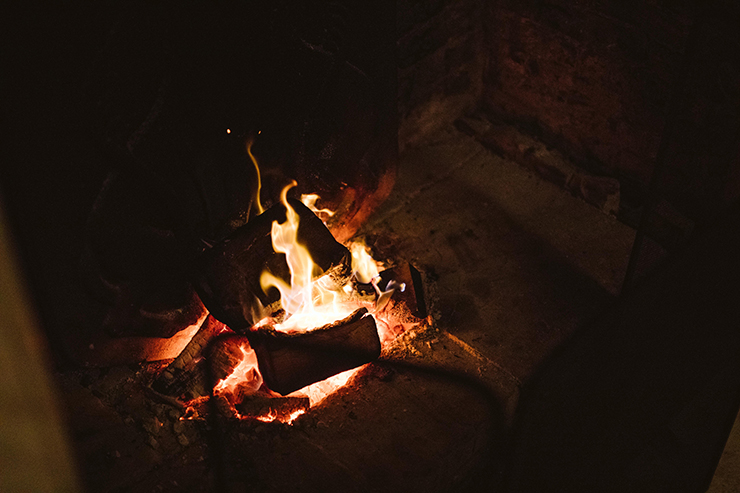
(408, 287)
(203, 364)
(184, 376)
(227, 277)
(134, 263)
(225, 354)
(289, 362)
(280, 408)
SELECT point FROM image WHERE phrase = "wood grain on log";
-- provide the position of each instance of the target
(185, 376)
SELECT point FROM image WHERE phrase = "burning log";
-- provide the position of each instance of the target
(228, 275)
(264, 407)
(233, 368)
(289, 362)
(185, 376)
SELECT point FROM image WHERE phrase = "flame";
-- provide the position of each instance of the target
(256, 199)
(245, 375)
(273, 415)
(307, 303)
(311, 300)
(365, 270)
(267, 418)
(309, 200)
(364, 267)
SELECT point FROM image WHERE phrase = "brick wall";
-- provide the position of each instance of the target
(440, 63)
(591, 78)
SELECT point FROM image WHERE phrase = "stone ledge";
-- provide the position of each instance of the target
(600, 191)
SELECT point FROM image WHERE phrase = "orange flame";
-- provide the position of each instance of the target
(309, 200)
(267, 418)
(257, 201)
(308, 303)
(244, 375)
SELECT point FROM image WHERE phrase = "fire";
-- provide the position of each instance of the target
(245, 376)
(364, 267)
(293, 416)
(311, 300)
(307, 303)
(317, 392)
(274, 416)
(268, 418)
(309, 200)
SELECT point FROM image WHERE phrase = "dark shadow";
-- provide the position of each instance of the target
(643, 398)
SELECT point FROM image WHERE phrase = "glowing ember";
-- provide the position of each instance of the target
(293, 416)
(317, 392)
(274, 416)
(245, 376)
(268, 418)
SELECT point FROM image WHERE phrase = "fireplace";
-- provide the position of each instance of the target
(550, 308)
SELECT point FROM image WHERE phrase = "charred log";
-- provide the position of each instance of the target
(186, 376)
(135, 260)
(289, 362)
(408, 287)
(403, 283)
(279, 408)
(228, 276)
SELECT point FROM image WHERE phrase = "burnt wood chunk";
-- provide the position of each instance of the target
(225, 354)
(408, 285)
(280, 408)
(185, 376)
(289, 362)
(228, 275)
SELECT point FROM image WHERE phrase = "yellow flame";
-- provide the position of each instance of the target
(307, 303)
(309, 200)
(285, 240)
(257, 201)
(310, 302)
(364, 267)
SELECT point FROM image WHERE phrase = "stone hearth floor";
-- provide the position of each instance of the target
(518, 263)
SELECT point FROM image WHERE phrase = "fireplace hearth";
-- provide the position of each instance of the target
(551, 302)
